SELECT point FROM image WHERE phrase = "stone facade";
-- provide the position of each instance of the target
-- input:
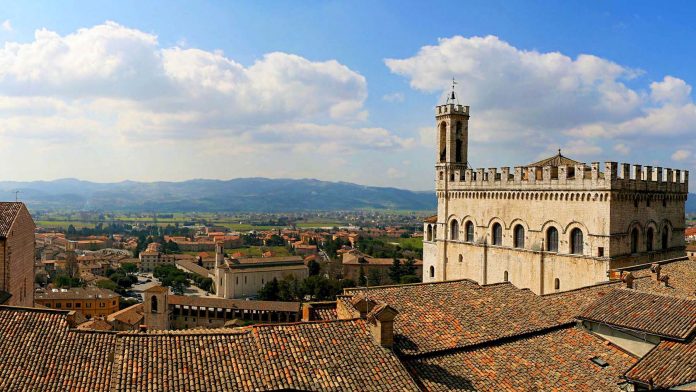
(17, 252)
(554, 225)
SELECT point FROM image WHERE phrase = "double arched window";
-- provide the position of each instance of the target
(552, 239)
(454, 230)
(497, 234)
(519, 236)
(649, 239)
(576, 241)
(469, 231)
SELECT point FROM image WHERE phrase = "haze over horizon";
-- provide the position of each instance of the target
(337, 91)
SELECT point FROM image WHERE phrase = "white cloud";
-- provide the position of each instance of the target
(7, 25)
(394, 97)
(622, 149)
(117, 82)
(681, 155)
(524, 102)
(395, 173)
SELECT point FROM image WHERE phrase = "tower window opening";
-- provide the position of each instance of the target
(665, 238)
(432, 271)
(469, 231)
(153, 304)
(497, 234)
(634, 240)
(454, 230)
(430, 233)
(443, 141)
(576, 241)
(556, 284)
(552, 239)
(519, 236)
(649, 237)
(505, 276)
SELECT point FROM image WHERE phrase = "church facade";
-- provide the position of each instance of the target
(550, 226)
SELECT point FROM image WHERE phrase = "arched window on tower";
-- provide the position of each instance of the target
(153, 304)
(519, 236)
(576, 241)
(443, 141)
(505, 276)
(458, 144)
(556, 284)
(432, 271)
(430, 233)
(649, 239)
(454, 230)
(634, 240)
(469, 231)
(552, 239)
(665, 238)
(497, 234)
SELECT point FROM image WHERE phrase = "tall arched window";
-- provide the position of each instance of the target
(576, 240)
(519, 236)
(497, 234)
(430, 233)
(458, 144)
(443, 142)
(454, 230)
(153, 304)
(665, 238)
(505, 276)
(649, 239)
(556, 284)
(552, 239)
(432, 271)
(634, 240)
(469, 231)
(434, 232)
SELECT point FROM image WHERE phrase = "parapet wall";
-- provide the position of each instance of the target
(620, 177)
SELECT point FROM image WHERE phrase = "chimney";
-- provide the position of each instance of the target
(627, 278)
(143, 328)
(664, 279)
(381, 323)
(306, 311)
(655, 269)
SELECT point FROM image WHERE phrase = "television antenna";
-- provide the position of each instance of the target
(17, 192)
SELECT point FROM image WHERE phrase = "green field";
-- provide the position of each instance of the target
(254, 251)
(405, 243)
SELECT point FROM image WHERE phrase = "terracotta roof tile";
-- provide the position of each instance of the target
(559, 360)
(653, 314)
(8, 213)
(668, 365)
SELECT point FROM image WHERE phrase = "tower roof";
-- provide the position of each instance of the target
(556, 160)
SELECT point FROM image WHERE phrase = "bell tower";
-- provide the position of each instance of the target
(452, 121)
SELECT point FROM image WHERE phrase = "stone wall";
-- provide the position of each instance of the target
(18, 254)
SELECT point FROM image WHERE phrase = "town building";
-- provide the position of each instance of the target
(90, 301)
(244, 277)
(163, 310)
(127, 319)
(354, 263)
(151, 257)
(17, 253)
(549, 226)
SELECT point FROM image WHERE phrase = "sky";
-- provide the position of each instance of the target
(338, 91)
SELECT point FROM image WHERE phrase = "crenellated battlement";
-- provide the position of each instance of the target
(614, 176)
(451, 109)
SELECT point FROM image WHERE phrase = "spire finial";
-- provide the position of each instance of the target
(559, 152)
(452, 96)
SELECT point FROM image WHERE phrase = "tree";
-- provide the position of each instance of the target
(71, 230)
(108, 284)
(129, 268)
(395, 271)
(409, 267)
(269, 291)
(314, 267)
(405, 279)
(362, 279)
(374, 277)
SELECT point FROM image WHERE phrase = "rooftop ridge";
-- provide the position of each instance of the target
(406, 285)
(36, 310)
(598, 284)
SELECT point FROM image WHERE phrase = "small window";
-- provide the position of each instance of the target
(647, 203)
(469, 231)
(78, 305)
(664, 202)
(89, 305)
(665, 238)
(454, 230)
(519, 236)
(461, 258)
(600, 251)
(649, 238)
(634, 240)
(432, 271)
(58, 305)
(68, 305)
(497, 234)
(556, 284)
(635, 203)
(430, 233)
(505, 276)
(101, 304)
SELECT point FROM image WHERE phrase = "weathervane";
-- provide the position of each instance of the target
(452, 97)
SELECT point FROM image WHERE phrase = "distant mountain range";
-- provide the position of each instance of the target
(238, 195)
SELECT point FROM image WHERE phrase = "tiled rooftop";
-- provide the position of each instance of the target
(660, 315)
(559, 360)
(38, 352)
(77, 293)
(457, 314)
(668, 365)
(682, 279)
(8, 213)
(224, 303)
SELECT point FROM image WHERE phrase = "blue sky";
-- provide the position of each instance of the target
(338, 90)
